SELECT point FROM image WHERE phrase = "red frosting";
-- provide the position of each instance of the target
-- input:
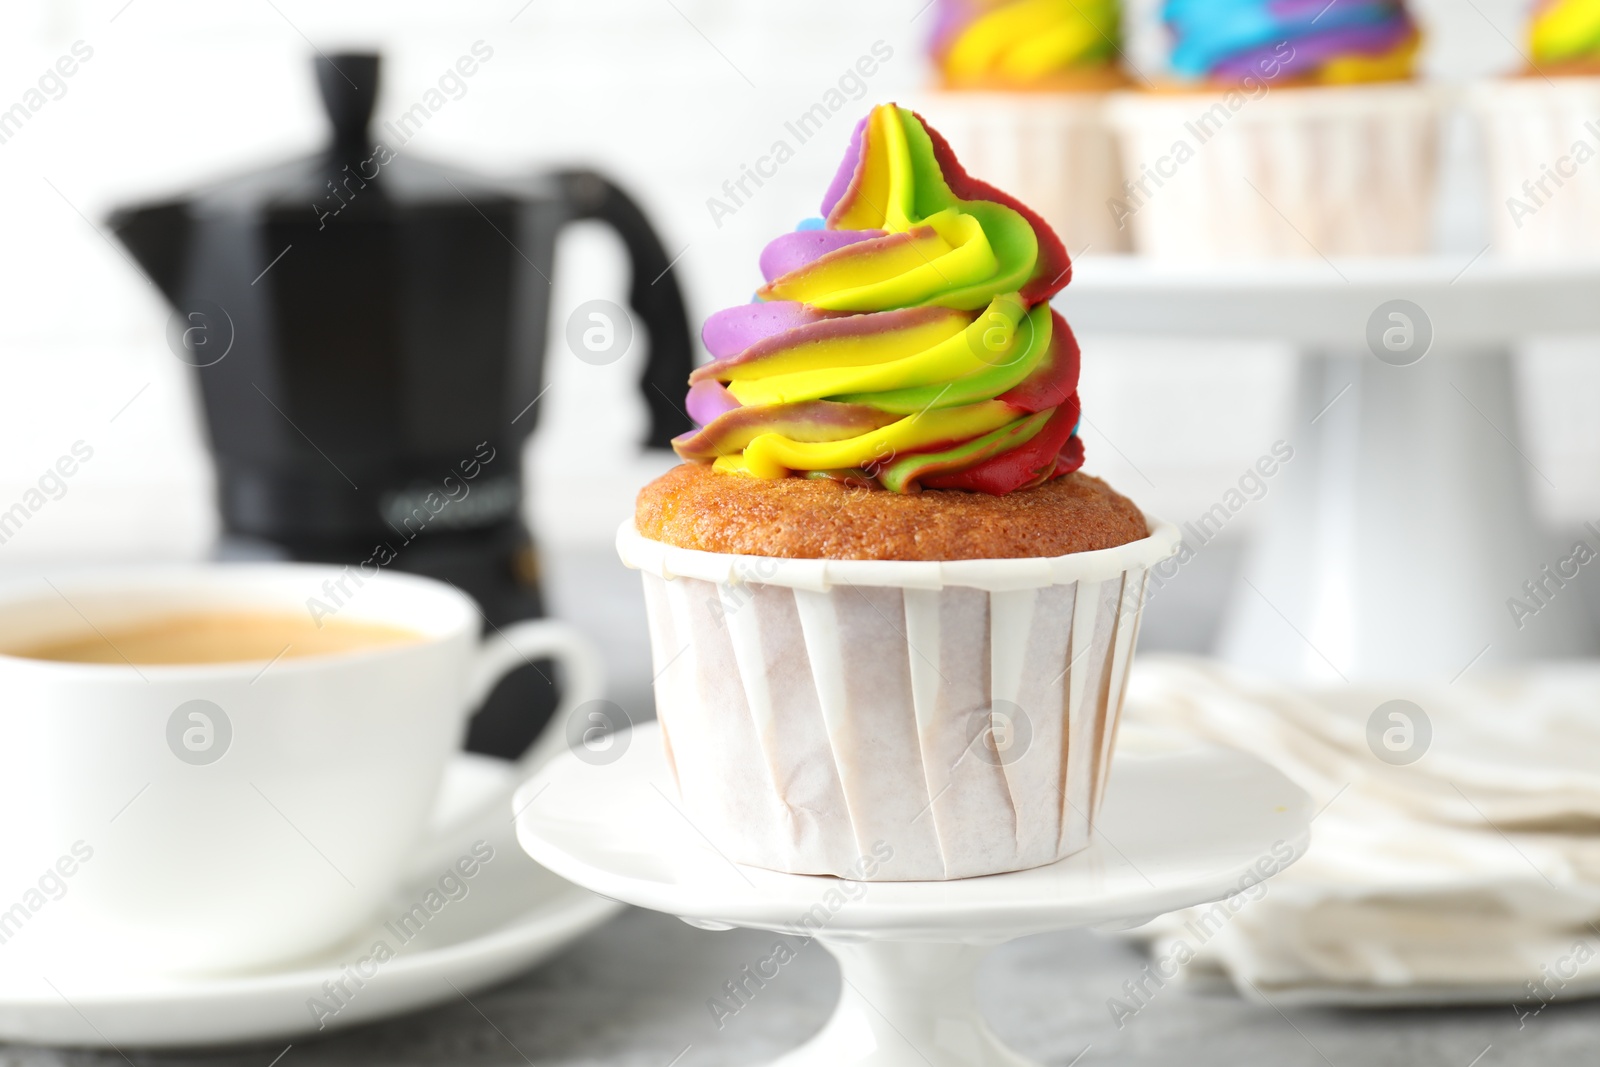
(1054, 268)
(1030, 463)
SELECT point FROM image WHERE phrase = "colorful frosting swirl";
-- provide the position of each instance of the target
(905, 340)
(1023, 43)
(1307, 41)
(1566, 32)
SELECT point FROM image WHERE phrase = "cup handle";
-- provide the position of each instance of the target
(511, 647)
(518, 645)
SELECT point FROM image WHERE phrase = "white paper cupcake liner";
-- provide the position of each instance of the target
(961, 714)
(1292, 172)
(1544, 189)
(1052, 151)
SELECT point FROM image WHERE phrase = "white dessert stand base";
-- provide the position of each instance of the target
(1394, 539)
(1176, 830)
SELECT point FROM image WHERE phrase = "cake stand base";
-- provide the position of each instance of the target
(1176, 830)
(905, 1004)
(1394, 545)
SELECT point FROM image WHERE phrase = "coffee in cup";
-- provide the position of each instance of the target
(217, 637)
(222, 803)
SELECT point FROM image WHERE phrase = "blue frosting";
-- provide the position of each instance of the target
(1210, 33)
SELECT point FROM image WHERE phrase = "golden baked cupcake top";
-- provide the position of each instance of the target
(693, 506)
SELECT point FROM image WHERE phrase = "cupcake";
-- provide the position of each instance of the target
(891, 619)
(1542, 135)
(1023, 89)
(1291, 128)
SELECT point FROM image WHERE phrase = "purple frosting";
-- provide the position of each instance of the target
(708, 399)
(732, 330)
(833, 328)
(803, 247)
(846, 171)
(950, 17)
(1311, 53)
(1311, 10)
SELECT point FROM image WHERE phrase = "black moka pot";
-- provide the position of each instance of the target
(368, 330)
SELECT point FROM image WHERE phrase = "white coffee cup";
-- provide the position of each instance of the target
(272, 819)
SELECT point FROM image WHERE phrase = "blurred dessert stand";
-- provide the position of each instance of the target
(1177, 829)
(1404, 522)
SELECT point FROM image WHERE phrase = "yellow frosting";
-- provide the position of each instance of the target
(929, 346)
(1396, 65)
(1565, 31)
(1022, 41)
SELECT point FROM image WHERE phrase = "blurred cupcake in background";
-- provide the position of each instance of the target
(1290, 128)
(1023, 88)
(1542, 135)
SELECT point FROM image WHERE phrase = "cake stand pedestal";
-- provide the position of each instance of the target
(1176, 830)
(1394, 538)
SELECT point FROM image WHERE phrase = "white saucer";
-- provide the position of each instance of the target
(515, 914)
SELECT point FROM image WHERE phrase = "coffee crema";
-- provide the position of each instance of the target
(218, 637)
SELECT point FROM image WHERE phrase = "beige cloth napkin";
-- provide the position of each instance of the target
(1471, 874)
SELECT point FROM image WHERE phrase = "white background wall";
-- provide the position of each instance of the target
(671, 97)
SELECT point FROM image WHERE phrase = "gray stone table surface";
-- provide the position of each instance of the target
(634, 992)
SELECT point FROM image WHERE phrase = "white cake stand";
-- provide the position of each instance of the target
(1405, 521)
(1176, 830)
